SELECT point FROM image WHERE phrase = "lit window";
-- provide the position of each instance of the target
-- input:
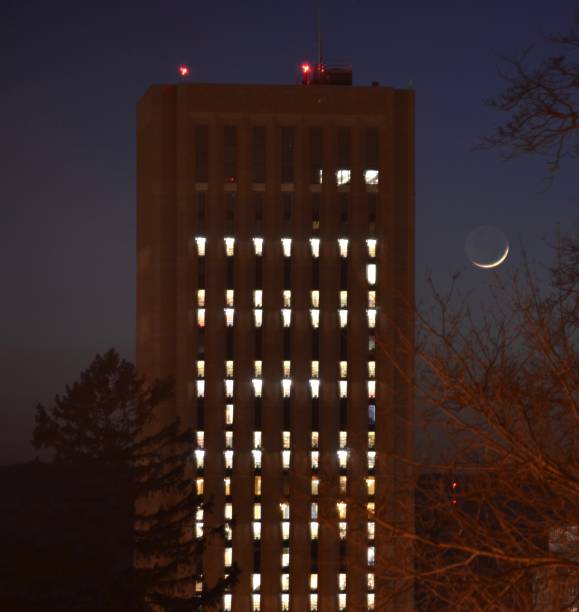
(371, 556)
(371, 485)
(257, 366)
(343, 485)
(315, 439)
(371, 582)
(285, 530)
(371, 243)
(228, 455)
(371, 460)
(200, 439)
(285, 459)
(371, 369)
(199, 486)
(198, 530)
(229, 414)
(229, 293)
(200, 245)
(201, 297)
(315, 485)
(229, 388)
(284, 599)
(229, 312)
(315, 246)
(372, 414)
(199, 514)
(257, 386)
(227, 602)
(343, 314)
(342, 530)
(315, 316)
(315, 369)
(227, 485)
(286, 368)
(313, 582)
(342, 508)
(343, 384)
(256, 602)
(315, 459)
(286, 439)
(343, 369)
(342, 458)
(256, 528)
(371, 439)
(343, 247)
(200, 369)
(371, 274)
(371, 299)
(371, 507)
(286, 315)
(371, 343)
(257, 485)
(315, 387)
(371, 177)
(285, 582)
(371, 312)
(343, 176)
(255, 581)
(257, 439)
(370, 601)
(257, 512)
(286, 244)
(371, 389)
(342, 601)
(228, 439)
(285, 558)
(314, 530)
(200, 388)
(315, 296)
(229, 246)
(314, 511)
(343, 299)
(258, 316)
(200, 457)
(342, 582)
(343, 439)
(258, 246)
(228, 556)
(285, 511)
(256, 458)
(229, 369)
(286, 384)
(287, 298)
(201, 317)
(313, 602)
(258, 298)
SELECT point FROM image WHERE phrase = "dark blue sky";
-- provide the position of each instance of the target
(71, 73)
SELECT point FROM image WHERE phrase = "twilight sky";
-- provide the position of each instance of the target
(72, 72)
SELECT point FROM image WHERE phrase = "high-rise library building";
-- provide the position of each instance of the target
(275, 285)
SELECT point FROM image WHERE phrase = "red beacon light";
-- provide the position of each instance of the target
(306, 73)
(183, 71)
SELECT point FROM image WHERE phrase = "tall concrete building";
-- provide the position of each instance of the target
(275, 284)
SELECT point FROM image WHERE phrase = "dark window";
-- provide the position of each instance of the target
(286, 343)
(287, 206)
(201, 274)
(343, 345)
(372, 153)
(201, 209)
(200, 414)
(258, 154)
(315, 155)
(342, 550)
(230, 270)
(258, 207)
(230, 211)
(259, 273)
(287, 273)
(344, 209)
(230, 154)
(316, 214)
(201, 343)
(343, 274)
(343, 413)
(286, 413)
(257, 556)
(229, 343)
(316, 274)
(315, 344)
(258, 413)
(287, 155)
(344, 148)
(201, 153)
(372, 415)
(314, 556)
(258, 343)
(315, 413)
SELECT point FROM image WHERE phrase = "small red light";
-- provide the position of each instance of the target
(306, 68)
(183, 70)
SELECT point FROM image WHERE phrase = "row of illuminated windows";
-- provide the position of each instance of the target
(229, 243)
(285, 601)
(286, 369)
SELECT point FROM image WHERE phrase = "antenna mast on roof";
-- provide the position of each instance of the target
(320, 56)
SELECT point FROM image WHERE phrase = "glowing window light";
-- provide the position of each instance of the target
(371, 389)
(343, 314)
(315, 298)
(228, 556)
(229, 316)
(200, 439)
(342, 582)
(315, 459)
(343, 439)
(371, 273)
(371, 508)
(257, 367)
(315, 439)
(342, 601)
(198, 530)
(258, 317)
(343, 247)
(229, 369)
(320, 176)
(284, 508)
(343, 485)
(315, 317)
(227, 599)
(286, 315)
(313, 582)
(201, 297)
(342, 509)
(200, 388)
(257, 512)
(201, 243)
(285, 530)
(229, 414)
(257, 386)
(256, 602)
(285, 582)
(343, 387)
(343, 299)
(228, 456)
(314, 530)
(371, 581)
(200, 369)
(371, 177)
(286, 244)
(371, 460)
(229, 293)
(370, 601)
(201, 317)
(287, 298)
(371, 244)
(371, 439)
(371, 556)
(200, 458)
(286, 439)
(257, 485)
(199, 514)
(342, 458)
(371, 369)
(286, 368)
(315, 247)
(315, 369)
(342, 530)
(227, 485)
(371, 313)
(229, 246)
(315, 485)
(285, 559)
(255, 582)
(314, 511)
(228, 439)
(343, 176)
(229, 388)
(257, 439)
(286, 384)
(343, 369)
(372, 299)
(284, 597)
(256, 458)
(315, 387)
(258, 246)
(258, 298)
(285, 459)
(371, 485)
(256, 528)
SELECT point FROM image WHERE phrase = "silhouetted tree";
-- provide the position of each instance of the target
(105, 422)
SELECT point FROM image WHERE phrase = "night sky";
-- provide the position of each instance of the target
(72, 72)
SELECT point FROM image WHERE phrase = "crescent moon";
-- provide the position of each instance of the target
(494, 264)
